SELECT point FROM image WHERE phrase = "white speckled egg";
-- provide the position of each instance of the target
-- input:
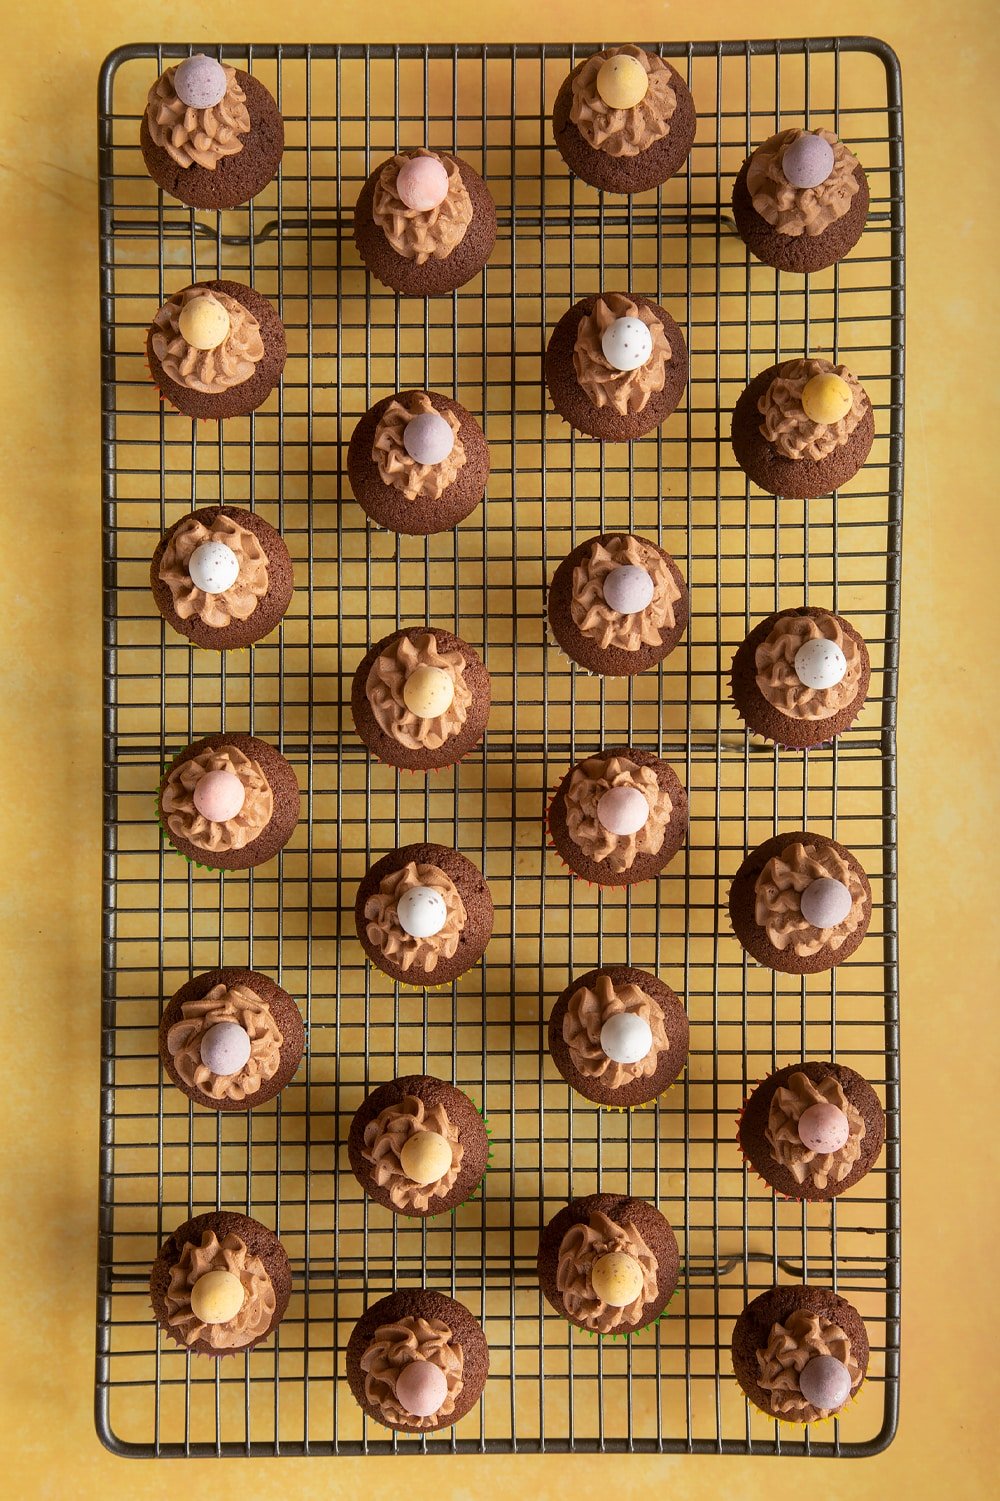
(820, 663)
(627, 343)
(626, 1037)
(213, 567)
(428, 692)
(628, 589)
(428, 438)
(421, 912)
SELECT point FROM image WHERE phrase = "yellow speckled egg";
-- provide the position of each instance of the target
(203, 323)
(425, 1157)
(428, 692)
(217, 1297)
(617, 1279)
(622, 81)
(826, 398)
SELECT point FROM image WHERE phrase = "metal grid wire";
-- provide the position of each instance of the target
(744, 554)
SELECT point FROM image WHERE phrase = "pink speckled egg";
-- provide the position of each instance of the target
(421, 1388)
(825, 902)
(219, 796)
(823, 1128)
(628, 589)
(808, 161)
(825, 1382)
(428, 438)
(622, 810)
(422, 183)
(200, 81)
(225, 1048)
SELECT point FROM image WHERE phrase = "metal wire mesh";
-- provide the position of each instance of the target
(744, 554)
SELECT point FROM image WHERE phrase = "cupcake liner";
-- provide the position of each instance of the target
(216, 869)
(643, 1104)
(626, 1334)
(799, 750)
(425, 985)
(801, 1426)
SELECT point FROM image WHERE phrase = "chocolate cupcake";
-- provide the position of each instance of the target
(616, 366)
(231, 1039)
(424, 914)
(812, 1130)
(211, 135)
(425, 223)
(624, 120)
(800, 200)
(618, 604)
(221, 577)
(228, 802)
(421, 699)
(619, 1036)
(800, 903)
(608, 1264)
(216, 349)
(803, 428)
(801, 677)
(418, 462)
(800, 1353)
(418, 1146)
(417, 1361)
(220, 1284)
(598, 824)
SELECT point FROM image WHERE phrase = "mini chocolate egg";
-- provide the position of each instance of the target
(820, 663)
(825, 902)
(826, 398)
(825, 1382)
(219, 796)
(616, 1278)
(217, 1296)
(628, 589)
(428, 692)
(425, 1157)
(823, 1128)
(626, 1037)
(213, 567)
(807, 161)
(203, 323)
(422, 183)
(421, 1388)
(200, 81)
(622, 810)
(421, 912)
(428, 438)
(622, 81)
(627, 343)
(225, 1048)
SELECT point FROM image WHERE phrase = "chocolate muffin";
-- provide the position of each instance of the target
(211, 135)
(618, 604)
(228, 802)
(425, 222)
(421, 699)
(446, 907)
(800, 903)
(616, 366)
(597, 823)
(222, 577)
(231, 1039)
(800, 1353)
(801, 677)
(619, 1036)
(216, 349)
(418, 1146)
(418, 463)
(608, 1264)
(220, 1284)
(624, 120)
(812, 1130)
(803, 428)
(436, 1337)
(801, 200)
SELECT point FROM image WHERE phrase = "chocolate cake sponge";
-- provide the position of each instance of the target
(671, 1062)
(645, 866)
(259, 1241)
(460, 1111)
(421, 1303)
(626, 174)
(475, 894)
(435, 277)
(804, 478)
(284, 817)
(804, 253)
(234, 179)
(753, 1330)
(623, 1210)
(761, 716)
(388, 749)
(610, 661)
(245, 397)
(387, 505)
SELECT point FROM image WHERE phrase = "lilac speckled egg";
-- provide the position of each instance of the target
(627, 343)
(213, 567)
(422, 183)
(820, 663)
(622, 810)
(825, 1381)
(421, 1388)
(219, 796)
(628, 589)
(808, 161)
(626, 1037)
(200, 81)
(825, 902)
(421, 912)
(823, 1128)
(428, 438)
(225, 1048)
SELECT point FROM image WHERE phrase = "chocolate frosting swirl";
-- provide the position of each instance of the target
(623, 132)
(594, 617)
(580, 1248)
(586, 1013)
(385, 1138)
(394, 1346)
(790, 1347)
(231, 1255)
(197, 137)
(397, 468)
(588, 784)
(210, 370)
(235, 1003)
(778, 680)
(627, 391)
(239, 601)
(798, 211)
(788, 1103)
(785, 423)
(383, 927)
(184, 820)
(416, 234)
(384, 688)
(779, 889)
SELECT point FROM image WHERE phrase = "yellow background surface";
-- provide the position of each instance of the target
(51, 807)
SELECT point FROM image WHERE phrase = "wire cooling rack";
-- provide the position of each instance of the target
(744, 554)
